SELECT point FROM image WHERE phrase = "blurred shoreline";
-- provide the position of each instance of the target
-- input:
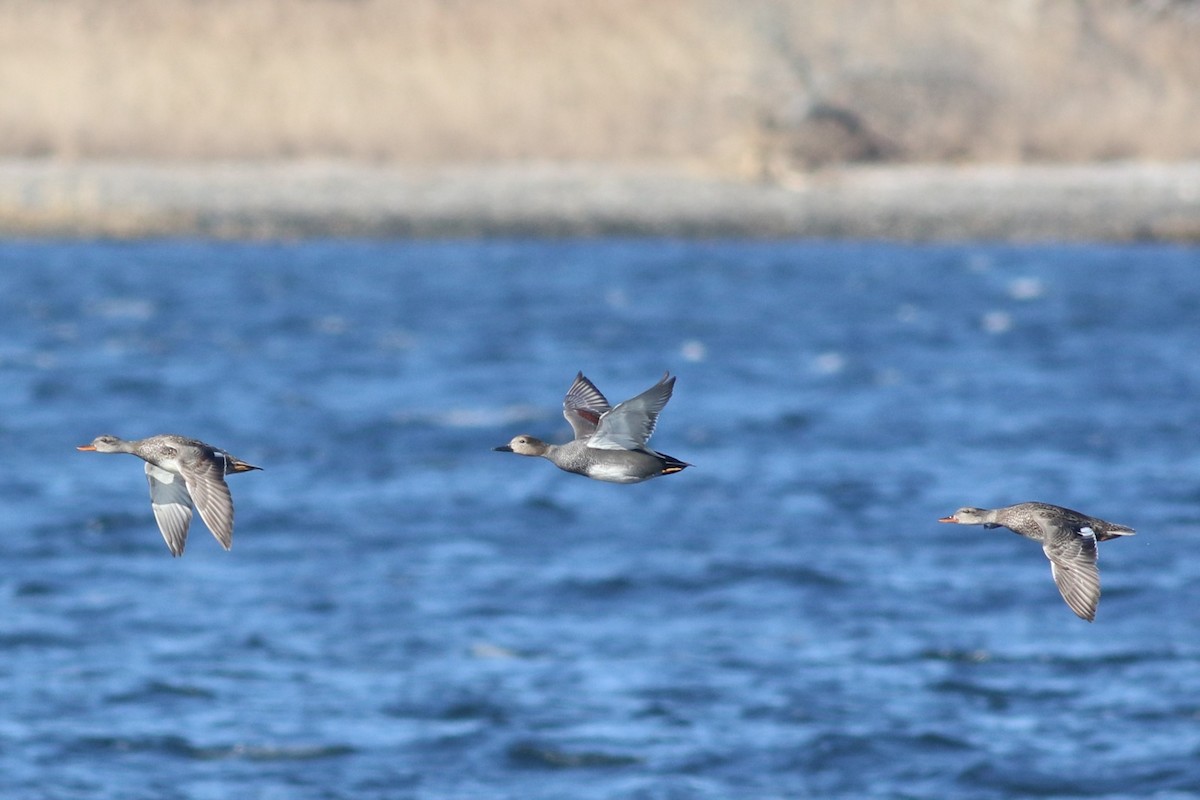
(929, 120)
(1112, 202)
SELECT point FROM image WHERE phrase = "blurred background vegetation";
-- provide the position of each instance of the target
(756, 89)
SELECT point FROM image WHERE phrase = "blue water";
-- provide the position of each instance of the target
(407, 614)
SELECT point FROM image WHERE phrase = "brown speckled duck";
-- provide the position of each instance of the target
(1068, 539)
(182, 473)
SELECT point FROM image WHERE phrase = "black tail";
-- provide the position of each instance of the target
(673, 464)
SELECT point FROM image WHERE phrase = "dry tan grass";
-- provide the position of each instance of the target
(758, 87)
(1023, 80)
(418, 80)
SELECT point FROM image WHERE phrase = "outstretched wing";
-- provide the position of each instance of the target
(1072, 555)
(205, 480)
(172, 506)
(583, 406)
(630, 424)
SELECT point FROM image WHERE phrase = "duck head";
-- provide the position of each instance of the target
(524, 445)
(106, 443)
(969, 516)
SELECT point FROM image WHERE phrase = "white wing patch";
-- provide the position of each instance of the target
(172, 506)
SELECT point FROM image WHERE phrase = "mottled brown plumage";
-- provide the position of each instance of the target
(1068, 539)
(183, 473)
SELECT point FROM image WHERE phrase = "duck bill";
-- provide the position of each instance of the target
(503, 449)
(947, 519)
(86, 447)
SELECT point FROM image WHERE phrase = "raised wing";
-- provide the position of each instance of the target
(172, 506)
(630, 424)
(205, 480)
(1072, 557)
(583, 406)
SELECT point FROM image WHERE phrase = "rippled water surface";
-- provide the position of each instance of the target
(407, 614)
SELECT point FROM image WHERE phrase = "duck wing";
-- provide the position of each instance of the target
(630, 424)
(583, 406)
(1072, 555)
(205, 481)
(172, 506)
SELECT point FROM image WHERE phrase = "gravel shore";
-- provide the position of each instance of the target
(271, 200)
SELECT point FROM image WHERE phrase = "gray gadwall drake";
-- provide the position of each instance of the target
(1068, 538)
(610, 442)
(182, 473)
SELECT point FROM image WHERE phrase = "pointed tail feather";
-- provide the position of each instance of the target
(233, 465)
(673, 464)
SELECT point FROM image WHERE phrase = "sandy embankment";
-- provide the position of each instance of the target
(1119, 202)
(929, 119)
